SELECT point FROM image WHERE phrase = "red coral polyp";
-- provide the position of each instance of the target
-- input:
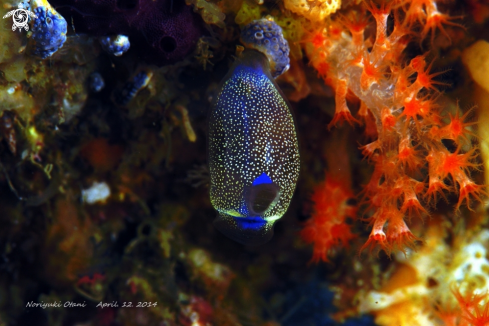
(474, 308)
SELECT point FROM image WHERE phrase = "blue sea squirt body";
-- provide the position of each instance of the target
(48, 29)
(253, 151)
(116, 45)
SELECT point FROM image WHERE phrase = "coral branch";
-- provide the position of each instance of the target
(399, 103)
(342, 112)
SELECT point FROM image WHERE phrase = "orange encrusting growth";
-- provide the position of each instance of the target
(327, 228)
(398, 105)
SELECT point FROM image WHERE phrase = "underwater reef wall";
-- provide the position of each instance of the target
(113, 168)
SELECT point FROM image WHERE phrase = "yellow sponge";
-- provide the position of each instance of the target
(476, 59)
(249, 12)
(314, 10)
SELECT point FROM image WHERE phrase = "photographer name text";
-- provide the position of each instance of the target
(101, 304)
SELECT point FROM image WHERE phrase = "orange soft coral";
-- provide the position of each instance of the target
(397, 235)
(427, 14)
(342, 112)
(327, 228)
(457, 130)
(398, 97)
(474, 308)
(444, 164)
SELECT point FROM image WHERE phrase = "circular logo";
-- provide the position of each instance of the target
(20, 18)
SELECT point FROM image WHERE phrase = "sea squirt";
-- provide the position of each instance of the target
(253, 148)
(116, 45)
(133, 86)
(48, 29)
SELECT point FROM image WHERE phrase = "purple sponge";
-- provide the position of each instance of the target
(162, 31)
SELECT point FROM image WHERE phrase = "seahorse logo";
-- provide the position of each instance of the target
(20, 17)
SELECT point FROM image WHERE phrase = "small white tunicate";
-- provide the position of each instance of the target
(11, 90)
(98, 192)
